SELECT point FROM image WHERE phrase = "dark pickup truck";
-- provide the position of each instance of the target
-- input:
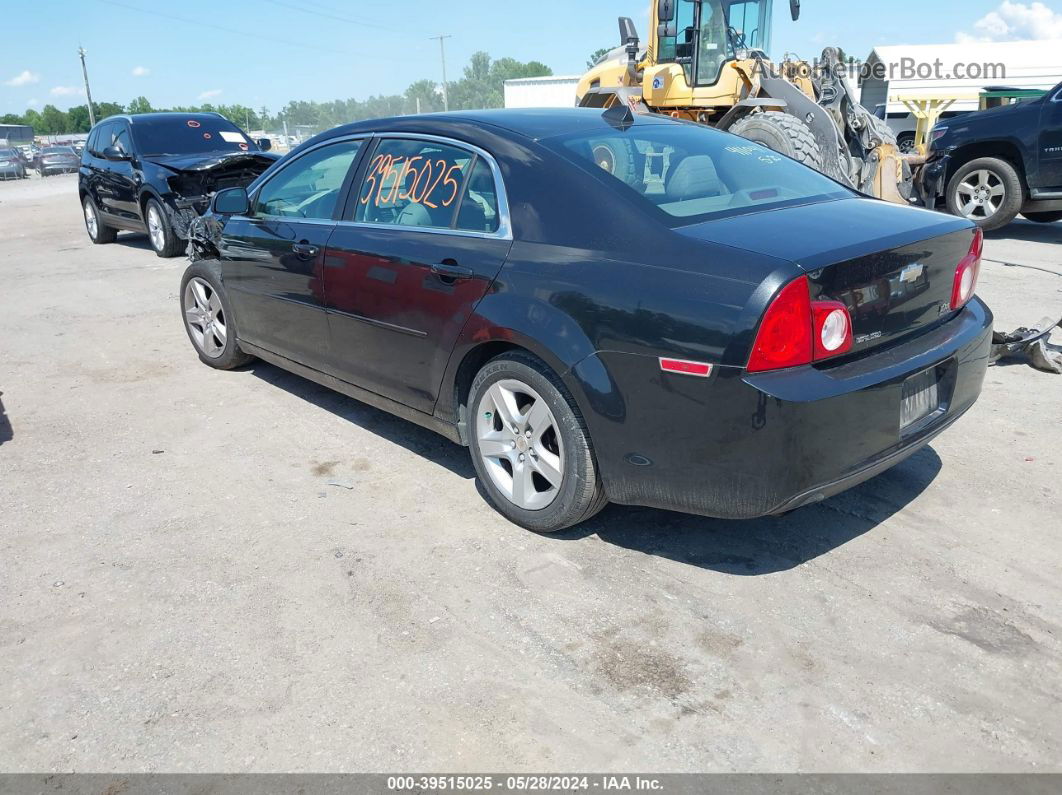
(990, 166)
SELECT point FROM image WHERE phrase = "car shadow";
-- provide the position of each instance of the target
(409, 435)
(1028, 231)
(7, 433)
(752, 547)
(744, 548)
(134, 240)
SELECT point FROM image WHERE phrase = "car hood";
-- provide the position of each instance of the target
(208, 161)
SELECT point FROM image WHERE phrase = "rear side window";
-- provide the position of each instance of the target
(688, 173)
(424, 184)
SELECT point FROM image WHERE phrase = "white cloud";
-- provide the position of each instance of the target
(214, 92)
(141, 71)
(1015, 22)
(23, 78)
(66, 91)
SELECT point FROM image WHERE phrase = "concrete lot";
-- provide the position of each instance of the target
(181, 588)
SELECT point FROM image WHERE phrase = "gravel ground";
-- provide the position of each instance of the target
(184, 588)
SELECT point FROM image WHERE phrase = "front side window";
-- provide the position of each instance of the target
(420, 183)
(688, 173)
(121, 139)
(310, 186)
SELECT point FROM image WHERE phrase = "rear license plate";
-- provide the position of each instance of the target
(920, 397)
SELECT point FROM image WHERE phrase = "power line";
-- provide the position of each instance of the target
(201, 24)
(368, 23)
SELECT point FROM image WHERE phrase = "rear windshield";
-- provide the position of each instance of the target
(688, 173)
(190, 136)
(8, 153)
(57, 150)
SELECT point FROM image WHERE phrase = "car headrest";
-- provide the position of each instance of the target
(694, 177)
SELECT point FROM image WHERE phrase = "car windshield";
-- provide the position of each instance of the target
(58, 150)
(8, 153)
(178, 136)
(688, 173)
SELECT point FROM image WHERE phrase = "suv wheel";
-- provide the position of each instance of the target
(209, 320)
(98, 231)
(160, 233)
(530, 446)
(987, 191)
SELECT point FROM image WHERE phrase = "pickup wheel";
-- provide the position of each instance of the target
(987, 191)
(1043, 218)
(98, 231)
(163, 239)
(530, 446)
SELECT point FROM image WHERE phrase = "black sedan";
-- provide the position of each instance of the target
(57, 160)
(706, 326)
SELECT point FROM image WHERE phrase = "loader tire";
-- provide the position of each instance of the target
(615, 156)
(787, 135)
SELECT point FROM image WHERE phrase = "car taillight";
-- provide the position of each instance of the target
(966, 272)
(796, 330)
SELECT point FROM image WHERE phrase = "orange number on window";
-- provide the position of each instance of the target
(449, 180)
(405, 174)
(370, 179)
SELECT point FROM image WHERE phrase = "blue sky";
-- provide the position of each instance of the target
(328, 49)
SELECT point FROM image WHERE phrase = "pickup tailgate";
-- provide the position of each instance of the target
(892, 266)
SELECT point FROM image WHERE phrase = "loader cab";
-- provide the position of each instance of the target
(703, 35)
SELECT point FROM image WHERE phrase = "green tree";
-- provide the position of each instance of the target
(78, 119)
(595, 56)
(428, 93)
(140, 105)
(53, 121)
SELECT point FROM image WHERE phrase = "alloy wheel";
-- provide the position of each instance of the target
(205, 317)
(519, 444)
(155, 229)
(91, 222)
(980, 195)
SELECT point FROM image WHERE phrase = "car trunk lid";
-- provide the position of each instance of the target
(892, 266)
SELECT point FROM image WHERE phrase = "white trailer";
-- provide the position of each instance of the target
(555, 91)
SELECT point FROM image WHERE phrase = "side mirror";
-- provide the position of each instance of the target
(665, 10)
(264, 144)
(794, 9)
(114, 153)
(231, 201)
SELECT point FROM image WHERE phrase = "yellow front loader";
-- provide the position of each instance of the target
(706, 61)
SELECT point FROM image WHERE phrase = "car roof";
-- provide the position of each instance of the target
(162, 116)
(533, 123)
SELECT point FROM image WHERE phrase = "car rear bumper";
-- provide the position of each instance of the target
(739, 445)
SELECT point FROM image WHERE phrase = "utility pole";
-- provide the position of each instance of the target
(88, 91)
(442, 55)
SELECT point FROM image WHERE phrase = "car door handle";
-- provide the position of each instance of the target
(448, 269)
(305, 249)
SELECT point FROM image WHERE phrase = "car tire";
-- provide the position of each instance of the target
(209, 320)
(160, 233)
(98, 231)
(535, 462)
(782, 133)
(987, 191)
(1043, 218)
(905, 142)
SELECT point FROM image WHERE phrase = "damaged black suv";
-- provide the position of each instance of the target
(156, 172)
